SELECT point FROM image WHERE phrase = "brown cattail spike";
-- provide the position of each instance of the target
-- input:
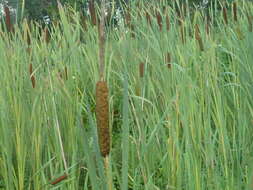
(8, 19)
(167, 22)
(46, 35)
(32, 77)
(225, 17)
(159, 20)
(235, 11)
(198, 37)
(59, 179)
(208, 24)
(92, 12)
(66, 72)
(168, 60)
(141, 69)
(102, 115)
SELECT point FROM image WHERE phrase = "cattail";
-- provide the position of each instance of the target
(66, 72)
(59, 179)
(168, 60)
(235, 11)
(159, 20)
(148, 18)
(249, 17)
(8, 19)
(92, 12)
(167, 22)
(46, 35)
(132, 31)
(225, 17)
(208, 24)
(32, 77)
(141, 69)
(198, 37)
(102, 115)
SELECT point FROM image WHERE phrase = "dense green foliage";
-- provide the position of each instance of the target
(186, 124)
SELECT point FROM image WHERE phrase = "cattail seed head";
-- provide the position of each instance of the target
(141, 69)
(66, 72)
(159, 20)
(32, 77)
(168, 60)
(92, 12)
(46, 35)
(8, 19)
(167, 22)
(235, 11)
(102, 115)
(59, 179)
(225, 17)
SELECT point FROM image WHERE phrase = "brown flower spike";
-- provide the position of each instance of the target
(32, 77)
(102, 115)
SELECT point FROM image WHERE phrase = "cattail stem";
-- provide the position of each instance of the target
(59, 179)
(102, 42)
